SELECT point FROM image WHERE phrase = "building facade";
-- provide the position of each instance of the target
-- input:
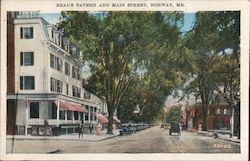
(45, 91)
(218, 117)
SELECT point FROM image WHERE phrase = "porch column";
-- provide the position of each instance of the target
(27, 117)
(83, 115)
(66, 115)
(89, 114)
(57, 112)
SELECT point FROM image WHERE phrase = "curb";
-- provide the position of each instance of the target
(109, 137)
(236, 141)
(208, 134)
(88, 140)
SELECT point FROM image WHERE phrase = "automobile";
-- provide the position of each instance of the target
(125, 130)
(161, 125)
(166, 126)
(174, 128)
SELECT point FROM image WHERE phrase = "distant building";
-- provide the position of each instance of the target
(218, 117)
(45, 91)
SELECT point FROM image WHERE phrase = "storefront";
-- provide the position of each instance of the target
(46, 115)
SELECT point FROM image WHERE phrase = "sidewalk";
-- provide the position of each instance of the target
(221, 136)
(86, 137)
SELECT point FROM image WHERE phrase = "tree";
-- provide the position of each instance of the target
(174, 115)
(117, 45)
(213, 46)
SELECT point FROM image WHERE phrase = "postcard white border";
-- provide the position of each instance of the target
(190, 6)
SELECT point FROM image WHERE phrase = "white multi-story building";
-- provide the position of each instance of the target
(45, 91)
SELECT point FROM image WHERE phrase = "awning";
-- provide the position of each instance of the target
(116, 119)
(102, 119)
(71, 107)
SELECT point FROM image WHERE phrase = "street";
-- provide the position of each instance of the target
(152, 140)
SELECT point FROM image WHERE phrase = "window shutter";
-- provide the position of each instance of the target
(31, 32)
(21, 58)
(32, 58)
(21, 33)
(21, 83)
(33, 82)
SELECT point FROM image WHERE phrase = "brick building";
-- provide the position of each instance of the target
(218, 117)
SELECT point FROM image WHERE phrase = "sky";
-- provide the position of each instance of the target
(189, 20)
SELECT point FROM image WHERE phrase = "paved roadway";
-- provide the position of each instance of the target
(152, 140)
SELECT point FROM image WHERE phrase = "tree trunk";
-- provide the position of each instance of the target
(204, 100)
(110, 118)
(204, 116)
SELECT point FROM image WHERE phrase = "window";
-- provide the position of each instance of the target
(56, 85)
(69, 115)
(91, 114)
(52, 84)
(76, 115)
(26, 32)
(76, 92)
(27, 82)
(87, 95)
(67, 89)
(219, 111)
(226, 111)
(62, 115)
(73, 72)
(59, 64)
(55, 62)
(34, 109)
(78, 74)
(59, 86)
(52, 110)
(67, 68)
(94, 113)
(87, 114)
(81, 115)
(52, 61)
(26, 58)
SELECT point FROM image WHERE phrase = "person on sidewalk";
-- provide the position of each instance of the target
(91, 127)
(98, 129)
(80, 131)
(215, 135)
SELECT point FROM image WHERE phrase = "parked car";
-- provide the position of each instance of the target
(161, 125)
(166, 126)
(129, 128)
(125, 130)
(174, 128)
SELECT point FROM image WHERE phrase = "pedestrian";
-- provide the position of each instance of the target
(80, 130)
(98, 129)
(215, 135)
(91, 127)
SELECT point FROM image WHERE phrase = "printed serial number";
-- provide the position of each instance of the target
(224, 146)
